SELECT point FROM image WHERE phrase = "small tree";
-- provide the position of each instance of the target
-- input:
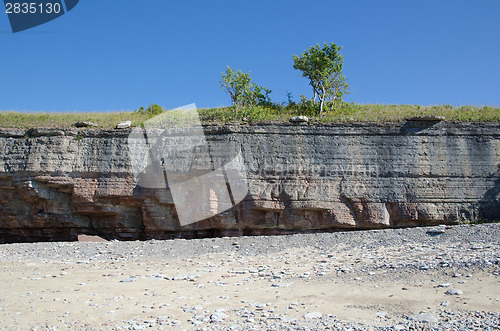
(323, 68)
(242, 90)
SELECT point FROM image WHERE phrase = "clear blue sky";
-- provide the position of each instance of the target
(123, 54)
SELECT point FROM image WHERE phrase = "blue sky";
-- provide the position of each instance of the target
(123, 54)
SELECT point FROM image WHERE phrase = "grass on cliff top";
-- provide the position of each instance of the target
(347, 112)
(11, 119)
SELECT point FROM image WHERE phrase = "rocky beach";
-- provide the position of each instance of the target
(441, 277)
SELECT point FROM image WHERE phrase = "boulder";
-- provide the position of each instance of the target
(124, 125)
(299, 119)
(86, 238)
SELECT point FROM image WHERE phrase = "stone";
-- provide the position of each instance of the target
(454, 291)
(444, 285)
(84, 124)
(258, 305)
(424, 318)
(86, 238)
(193, 277)
(218, 316)
(124, 125)
(299, 119)
(128, 280)
(312, 315)
(437, 230)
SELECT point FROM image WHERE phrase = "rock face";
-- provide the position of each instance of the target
(56, 184)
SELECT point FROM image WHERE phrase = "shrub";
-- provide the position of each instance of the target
(242, 91)
(152, 110)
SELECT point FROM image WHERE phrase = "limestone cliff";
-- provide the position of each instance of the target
(58, 183)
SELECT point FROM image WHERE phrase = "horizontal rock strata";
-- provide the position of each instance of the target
(58, 183)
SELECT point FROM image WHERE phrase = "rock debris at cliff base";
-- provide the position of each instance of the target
(394, 279)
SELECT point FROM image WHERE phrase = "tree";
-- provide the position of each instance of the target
(323, 68)
(242, 90)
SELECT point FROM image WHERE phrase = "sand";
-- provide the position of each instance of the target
(237, 283)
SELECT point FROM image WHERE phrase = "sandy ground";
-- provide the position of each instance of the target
(90, 285)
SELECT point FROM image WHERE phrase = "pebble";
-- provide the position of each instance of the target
(438, 230)
(454, 291)
(218, 316)
(128, 280)
(311, 315)
(444, 285)
(424, 318)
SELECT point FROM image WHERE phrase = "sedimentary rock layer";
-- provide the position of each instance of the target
(58, 183)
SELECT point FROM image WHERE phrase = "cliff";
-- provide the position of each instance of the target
(58, 183)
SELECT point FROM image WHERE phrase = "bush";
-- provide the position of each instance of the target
(151, 111)
(242, 91)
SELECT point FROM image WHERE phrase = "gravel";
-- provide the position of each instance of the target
(452, 251)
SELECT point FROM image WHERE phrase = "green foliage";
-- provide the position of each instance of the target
(323, 67)
(152, 110)
(242, 91)
(261, 95)
(307, 107)
(247, 114)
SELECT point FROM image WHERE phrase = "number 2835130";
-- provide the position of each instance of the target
(32, 8)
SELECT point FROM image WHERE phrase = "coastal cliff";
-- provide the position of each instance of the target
(58, 183)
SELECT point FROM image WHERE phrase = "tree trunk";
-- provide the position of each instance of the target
(322, 101)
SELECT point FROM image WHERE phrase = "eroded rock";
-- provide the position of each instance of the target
(57, 184)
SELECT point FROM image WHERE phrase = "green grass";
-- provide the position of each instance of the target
(347, 112)
(10, 119)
